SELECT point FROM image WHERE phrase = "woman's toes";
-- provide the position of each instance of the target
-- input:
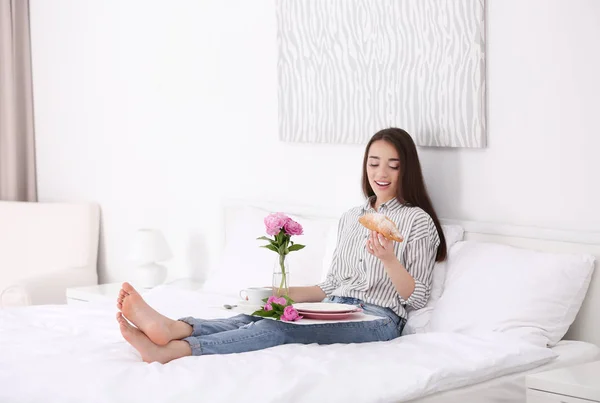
(121, 319)
(128, 288)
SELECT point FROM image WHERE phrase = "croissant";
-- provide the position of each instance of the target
(381, 224)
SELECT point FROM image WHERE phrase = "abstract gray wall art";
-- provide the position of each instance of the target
(348, 68)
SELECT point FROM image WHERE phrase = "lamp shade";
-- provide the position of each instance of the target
(149, 245)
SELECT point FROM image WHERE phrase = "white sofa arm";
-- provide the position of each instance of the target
(14, 295)
(50, 288)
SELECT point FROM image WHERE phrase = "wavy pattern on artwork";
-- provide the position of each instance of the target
(348, 68)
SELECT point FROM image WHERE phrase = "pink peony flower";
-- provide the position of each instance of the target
(275, 222)
(277, 300)
(290, 314)
(268, 307)
(293, 228)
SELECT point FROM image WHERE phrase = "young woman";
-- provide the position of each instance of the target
(383, 277)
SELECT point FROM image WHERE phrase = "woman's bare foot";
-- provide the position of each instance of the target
(149, 351)
(159, 329)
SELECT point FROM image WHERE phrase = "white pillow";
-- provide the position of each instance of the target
(418, 320)
(453, 234)
(243, 263)
(493, 287)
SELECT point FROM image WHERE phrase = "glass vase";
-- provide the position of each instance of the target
(281, 276)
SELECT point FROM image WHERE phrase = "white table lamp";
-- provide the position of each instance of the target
(148, 247)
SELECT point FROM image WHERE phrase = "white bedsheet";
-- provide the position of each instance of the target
(76, 354)
(511, 387)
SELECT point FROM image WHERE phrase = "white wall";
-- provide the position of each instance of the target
(158, 111)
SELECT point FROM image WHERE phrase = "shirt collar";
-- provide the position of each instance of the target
(388, 205)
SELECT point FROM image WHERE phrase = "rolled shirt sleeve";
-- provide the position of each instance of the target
(419, 260)
(330, 284)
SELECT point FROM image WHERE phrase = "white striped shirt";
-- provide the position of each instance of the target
(356, 273)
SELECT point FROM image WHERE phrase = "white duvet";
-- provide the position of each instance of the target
(76, 354)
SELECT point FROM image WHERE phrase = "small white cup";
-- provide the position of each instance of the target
(255, 295)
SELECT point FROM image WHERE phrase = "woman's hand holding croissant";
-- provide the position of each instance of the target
(379, 246)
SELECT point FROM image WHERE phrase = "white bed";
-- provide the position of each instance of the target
(76, 354)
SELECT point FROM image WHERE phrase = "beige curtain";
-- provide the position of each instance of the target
(17, 147)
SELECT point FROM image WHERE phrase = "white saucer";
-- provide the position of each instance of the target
(248, 304)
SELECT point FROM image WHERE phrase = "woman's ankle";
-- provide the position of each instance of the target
(180, 330)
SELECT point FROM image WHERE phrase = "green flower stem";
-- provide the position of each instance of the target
(282, 265)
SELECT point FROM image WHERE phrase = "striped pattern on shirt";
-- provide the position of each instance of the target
(356, 273)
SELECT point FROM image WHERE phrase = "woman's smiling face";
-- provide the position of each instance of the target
(383, 170)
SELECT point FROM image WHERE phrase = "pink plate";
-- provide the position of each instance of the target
(327, 315)
(325, 307)
(353, 310)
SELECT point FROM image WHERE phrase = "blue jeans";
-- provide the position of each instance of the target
(243, 333)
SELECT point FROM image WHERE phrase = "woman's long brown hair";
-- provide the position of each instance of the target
(411, 189)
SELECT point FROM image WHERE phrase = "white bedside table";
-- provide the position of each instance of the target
(109, 292)
(576, 384)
